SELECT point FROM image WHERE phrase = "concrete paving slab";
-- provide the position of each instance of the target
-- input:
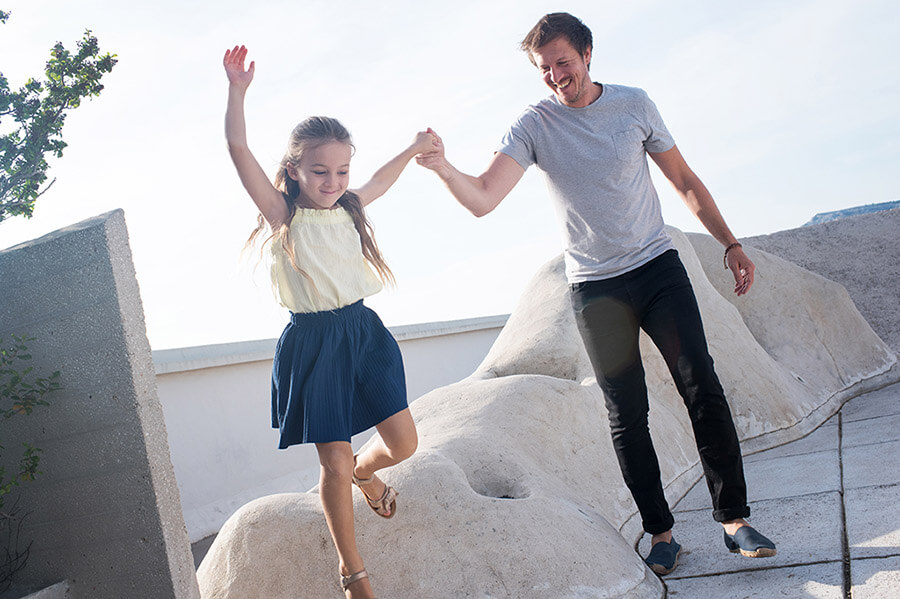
(871, 430)
(872, 526)
(865, 465)
(883, 402)
(824, 438)
(818, 581)
(876, 578)
(805, 530)
(695, 499)
(787, 476)
(792, 476)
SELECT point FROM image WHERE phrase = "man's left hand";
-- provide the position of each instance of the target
(742, 268)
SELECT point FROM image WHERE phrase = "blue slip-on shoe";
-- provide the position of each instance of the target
(750, 543)
(663, 557)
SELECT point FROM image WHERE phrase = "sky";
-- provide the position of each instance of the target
(783, 108)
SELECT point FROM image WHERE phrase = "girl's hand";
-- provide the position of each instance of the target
(234, 67)
(433, 157)
(425, 141)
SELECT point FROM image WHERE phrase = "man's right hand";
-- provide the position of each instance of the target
(479, 195)
(435, 159)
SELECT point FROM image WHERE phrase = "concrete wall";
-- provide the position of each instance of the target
(859, 252)
(216, 404)
(105, 513)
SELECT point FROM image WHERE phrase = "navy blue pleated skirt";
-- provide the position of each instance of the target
(336, 373)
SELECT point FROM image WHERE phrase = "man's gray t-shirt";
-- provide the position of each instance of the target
(594, 160)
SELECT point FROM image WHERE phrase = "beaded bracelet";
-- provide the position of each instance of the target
(728, 249)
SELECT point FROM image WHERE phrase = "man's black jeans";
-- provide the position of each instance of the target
(658, 298)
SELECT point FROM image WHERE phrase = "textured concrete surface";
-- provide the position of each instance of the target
(772, 479)
(872, 527)
(872, 430)
(515, 479)
(488, 509)
(819, 581)
(859, 252)
(865, 471)
(105, 512)
(842, 544)
(824, 438)
(878, 403)
(877, 578)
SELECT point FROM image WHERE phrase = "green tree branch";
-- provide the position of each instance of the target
(38, 111)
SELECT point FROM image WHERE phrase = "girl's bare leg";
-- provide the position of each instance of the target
(397, 441)
(336, 494)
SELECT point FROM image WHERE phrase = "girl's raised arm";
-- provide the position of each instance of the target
(388, 174)
(268, 199)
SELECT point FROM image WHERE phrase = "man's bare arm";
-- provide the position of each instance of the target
(700, 202)
(480, 195)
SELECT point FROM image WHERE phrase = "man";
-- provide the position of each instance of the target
(590, 141)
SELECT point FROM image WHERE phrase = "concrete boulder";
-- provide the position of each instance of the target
(859, 252)
(515, 490)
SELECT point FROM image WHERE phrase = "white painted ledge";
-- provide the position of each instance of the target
(183, 359)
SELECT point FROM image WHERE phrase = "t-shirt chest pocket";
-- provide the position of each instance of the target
(629, 145)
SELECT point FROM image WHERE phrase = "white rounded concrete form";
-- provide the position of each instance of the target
(515, 490)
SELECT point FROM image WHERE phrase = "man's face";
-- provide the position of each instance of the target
(565, 71)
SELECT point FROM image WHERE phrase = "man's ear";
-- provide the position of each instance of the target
(587, 57)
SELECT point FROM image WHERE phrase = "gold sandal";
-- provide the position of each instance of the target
(386, 505)
(346, 581)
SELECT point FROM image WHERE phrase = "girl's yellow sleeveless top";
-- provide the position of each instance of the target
(327, 247)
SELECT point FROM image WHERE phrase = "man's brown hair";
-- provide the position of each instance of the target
(554, 25)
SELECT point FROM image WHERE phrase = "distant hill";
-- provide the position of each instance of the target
(824, 217)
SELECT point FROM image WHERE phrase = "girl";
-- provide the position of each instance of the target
(337, 370)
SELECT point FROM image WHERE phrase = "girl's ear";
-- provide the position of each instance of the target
(292, 172)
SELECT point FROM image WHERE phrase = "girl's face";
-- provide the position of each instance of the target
(323, 174)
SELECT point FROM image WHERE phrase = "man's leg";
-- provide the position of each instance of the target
(672, 320)
(609, 329)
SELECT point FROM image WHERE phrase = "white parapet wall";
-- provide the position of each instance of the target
(216, 401)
